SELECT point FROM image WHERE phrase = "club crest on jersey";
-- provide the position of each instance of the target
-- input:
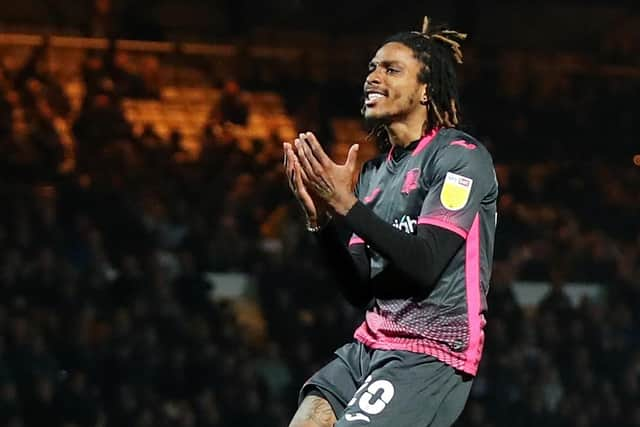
(406, 224)
(376, 191)
(455, 191)
(411, 181)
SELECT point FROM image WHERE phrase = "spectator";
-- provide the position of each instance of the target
(103, 22)
(127, 82)
(233, 105)
(98, 127)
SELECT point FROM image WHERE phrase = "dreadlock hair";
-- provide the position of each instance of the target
(439, 51)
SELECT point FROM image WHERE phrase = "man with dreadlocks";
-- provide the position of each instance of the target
(423, 217)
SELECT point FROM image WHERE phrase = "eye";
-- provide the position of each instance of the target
(392, 70)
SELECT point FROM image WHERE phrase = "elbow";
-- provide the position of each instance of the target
(420, 283)
(428, 282)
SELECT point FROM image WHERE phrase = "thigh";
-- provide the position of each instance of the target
(406, 390)
(337, 381)
(452, 404)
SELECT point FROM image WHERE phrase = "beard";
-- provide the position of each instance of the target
(400, 109)
(371, 122)
(376, 124)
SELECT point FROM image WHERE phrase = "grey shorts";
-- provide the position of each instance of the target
(389, 388)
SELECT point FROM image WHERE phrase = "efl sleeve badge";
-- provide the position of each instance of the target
(455, 191)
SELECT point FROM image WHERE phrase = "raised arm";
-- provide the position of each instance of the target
(350, 267)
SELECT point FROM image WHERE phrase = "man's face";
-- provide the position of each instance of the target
(392, 90)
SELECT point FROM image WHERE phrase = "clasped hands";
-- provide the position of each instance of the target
(322, 186)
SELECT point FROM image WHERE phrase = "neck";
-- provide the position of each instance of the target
(403, 133)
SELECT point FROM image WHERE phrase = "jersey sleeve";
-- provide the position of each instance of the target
(355, 239)
(460, 179)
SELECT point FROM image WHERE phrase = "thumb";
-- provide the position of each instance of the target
(352, 157)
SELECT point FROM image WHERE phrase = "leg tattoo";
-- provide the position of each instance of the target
(314, 412)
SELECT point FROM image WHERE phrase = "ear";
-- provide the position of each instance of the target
(424, 94)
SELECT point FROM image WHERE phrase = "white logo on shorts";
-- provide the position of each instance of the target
(365, 402)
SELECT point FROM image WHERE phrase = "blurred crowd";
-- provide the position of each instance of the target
(106, 233)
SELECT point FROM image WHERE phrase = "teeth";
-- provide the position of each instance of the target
(371, 96)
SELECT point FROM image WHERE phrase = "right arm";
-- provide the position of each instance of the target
(350, 267)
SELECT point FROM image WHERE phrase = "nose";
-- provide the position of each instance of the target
(372, 81)
(373, 78)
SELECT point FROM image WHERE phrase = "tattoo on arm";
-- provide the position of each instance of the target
(315, 411)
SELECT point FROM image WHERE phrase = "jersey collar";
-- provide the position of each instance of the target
(415, 147)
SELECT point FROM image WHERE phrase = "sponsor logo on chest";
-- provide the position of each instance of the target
(406, 224)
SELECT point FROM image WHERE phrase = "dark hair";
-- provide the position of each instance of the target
(439, 51)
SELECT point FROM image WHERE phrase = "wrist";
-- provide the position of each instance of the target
(343, 205)
(318, 223)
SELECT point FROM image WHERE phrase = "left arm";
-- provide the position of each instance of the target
(422, 257)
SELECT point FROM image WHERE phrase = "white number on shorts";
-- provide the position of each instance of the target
(365, 402)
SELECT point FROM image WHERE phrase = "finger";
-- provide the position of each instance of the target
(305, 178)
(318, 169)
(291, 161)
(298, 167)
(320, 182)
(311, 155)
(288, 160)
(317, 149)
(352, 157)
(298, 180)
(303, 194)
(304, 162)
(285, 147)
(314, 170)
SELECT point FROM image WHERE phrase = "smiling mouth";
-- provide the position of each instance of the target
(372, 97)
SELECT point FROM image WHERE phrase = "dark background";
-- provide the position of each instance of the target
(132, 172)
